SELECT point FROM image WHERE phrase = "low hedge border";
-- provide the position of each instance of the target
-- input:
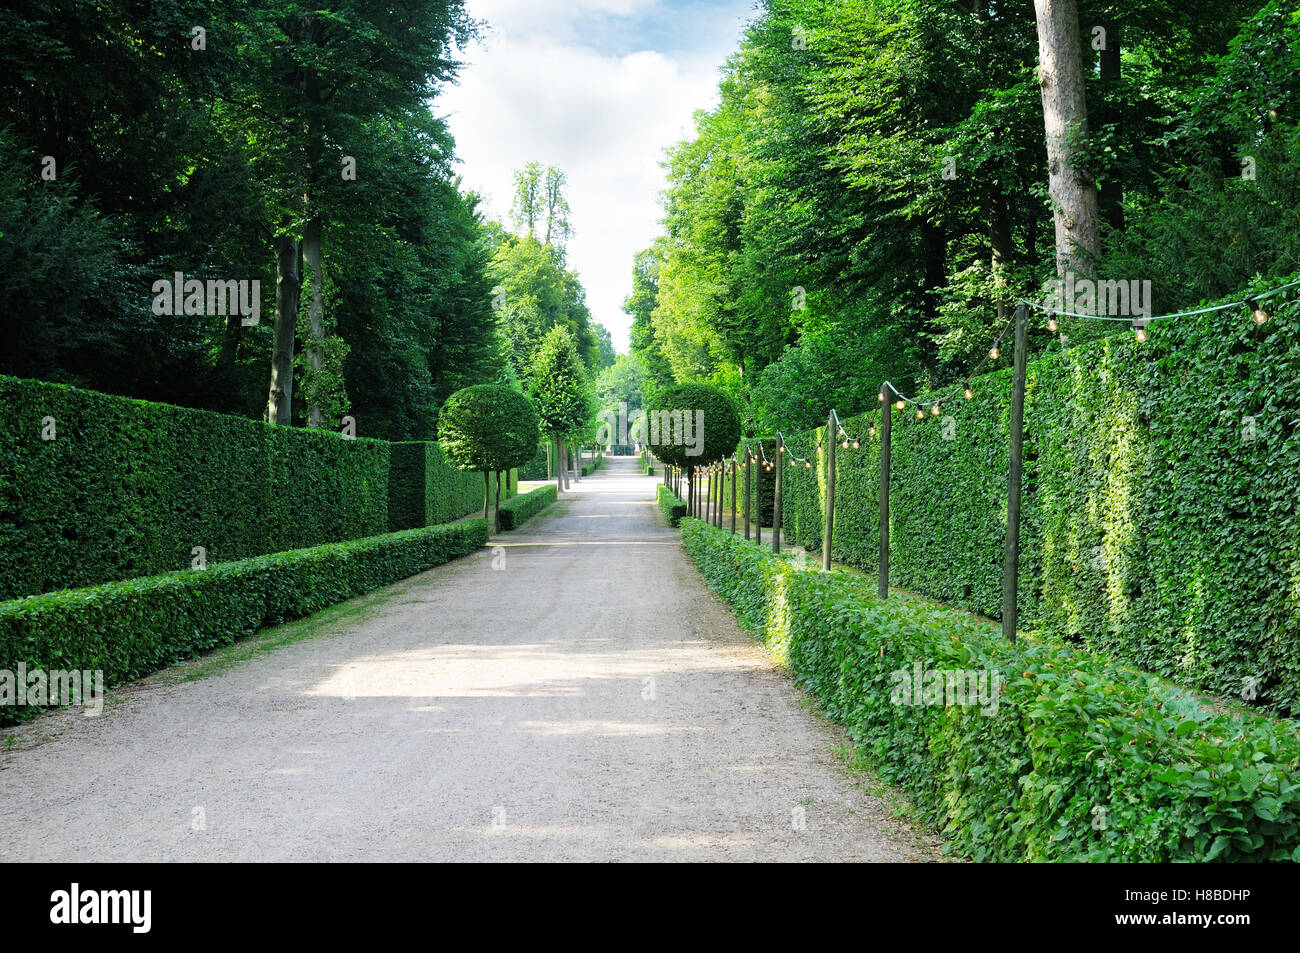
(596, 463)
(671, 505)
(1079, 760)
(131, 628)
(521, 509)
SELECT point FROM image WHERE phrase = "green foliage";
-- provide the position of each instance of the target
(488, 427)
(1161, 500)
(128, 488)
(521, 509)
(537, 467)
(534, 294)
(1071, 738)
(593, 465)
(670, 504)
(425, 489)
(131, 628)
(689, 401)
(558, 385)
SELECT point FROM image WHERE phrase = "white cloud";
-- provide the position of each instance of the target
(598, 88)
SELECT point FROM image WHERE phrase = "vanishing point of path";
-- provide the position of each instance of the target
(589, 699)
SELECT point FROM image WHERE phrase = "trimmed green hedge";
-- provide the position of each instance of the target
(523, 508)
(538, 468)
(1078, 760)
(428, 491)
(764, 480)
(129, 629)
(126, 487)
(671, 505)
(595, 464)
(1161, 509)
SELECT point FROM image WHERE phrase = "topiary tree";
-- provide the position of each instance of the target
(560, 390)
(488, 427)
(692, 425)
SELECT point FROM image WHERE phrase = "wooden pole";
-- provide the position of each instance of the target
(722, 488)
(734, 468)
(747, 482)
(776, 494)
(886, 442)
(829, 528)
(758, 499)
(1011, 564)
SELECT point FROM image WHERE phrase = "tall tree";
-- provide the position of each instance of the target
(1065, 121)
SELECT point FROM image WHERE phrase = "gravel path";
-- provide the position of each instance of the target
(576, 694)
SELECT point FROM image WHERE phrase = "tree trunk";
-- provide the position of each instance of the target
(561, 463)
(311, 249)
(1000, 241)
(487, 493)
(288, 285)
(1065, 114)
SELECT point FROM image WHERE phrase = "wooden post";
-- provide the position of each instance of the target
(722, 486)
(886, 441)
(734, 467)
(776, 494)
(758, 499)
(1011, 564)
(747, 481)
(829, 529)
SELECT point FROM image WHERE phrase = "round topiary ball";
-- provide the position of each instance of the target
(675, 422)
(488, 427)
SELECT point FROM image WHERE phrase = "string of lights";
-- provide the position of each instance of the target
(1252, 304)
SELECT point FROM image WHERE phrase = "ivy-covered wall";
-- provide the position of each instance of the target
(1161, 495)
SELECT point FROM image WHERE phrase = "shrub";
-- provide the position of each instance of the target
(126, 488)
(1072, 738)
(131, 628)
(489, 428)
(595, 464)
(721, 425)
(671, 505)
(1161, 498)
(521, 509)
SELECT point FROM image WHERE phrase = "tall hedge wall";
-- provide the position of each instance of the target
(126, 487)
(1161, 497)
(427, 490)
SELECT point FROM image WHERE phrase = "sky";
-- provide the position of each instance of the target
(597, 88)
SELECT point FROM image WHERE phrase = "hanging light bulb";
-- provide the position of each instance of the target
(1052, 323)
(968, 393)
(1139, 331)
(871, 431)
(881, 397)
(1258, 313)
(807, 464)
(844, 445)
(901, 405)
(993, 351)
(855, 445)
(935, 410)
(920, 415)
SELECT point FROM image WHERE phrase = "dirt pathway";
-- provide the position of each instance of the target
(575, 694)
